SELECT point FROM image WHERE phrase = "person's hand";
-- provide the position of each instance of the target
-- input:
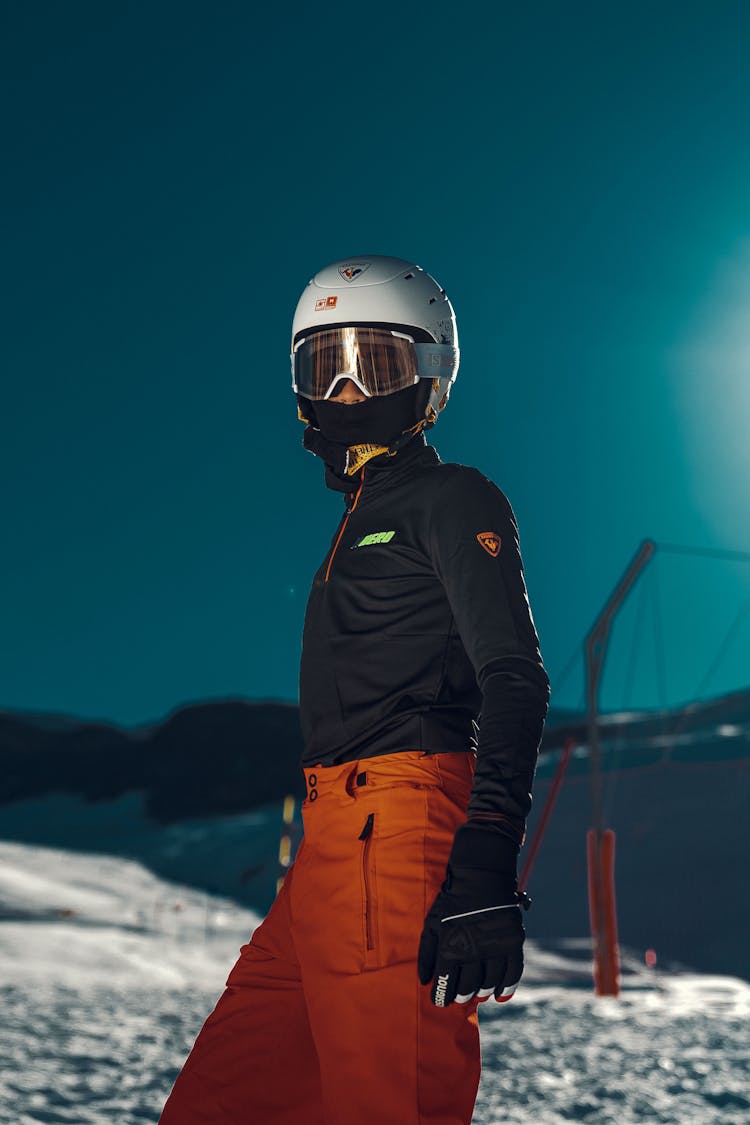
(472, 941)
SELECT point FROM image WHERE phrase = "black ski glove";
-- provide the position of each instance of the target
(472, 941)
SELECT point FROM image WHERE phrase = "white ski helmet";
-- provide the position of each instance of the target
(377, 293)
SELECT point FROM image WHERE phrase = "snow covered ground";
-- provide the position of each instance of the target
(107, 973)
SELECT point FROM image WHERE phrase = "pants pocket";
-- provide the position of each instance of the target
(392, 877)
(369, 897)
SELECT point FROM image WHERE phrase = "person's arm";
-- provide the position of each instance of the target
(475, 550)
(487, 594)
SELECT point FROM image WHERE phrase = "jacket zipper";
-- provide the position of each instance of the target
(366, 835)
(343, 526)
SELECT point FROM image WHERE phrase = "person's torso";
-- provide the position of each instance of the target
(383, 667)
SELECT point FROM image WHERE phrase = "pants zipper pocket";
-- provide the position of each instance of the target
(366, 836)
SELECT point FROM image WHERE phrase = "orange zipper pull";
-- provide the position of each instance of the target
(343, 526)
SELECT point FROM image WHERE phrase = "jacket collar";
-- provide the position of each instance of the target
(380, 472)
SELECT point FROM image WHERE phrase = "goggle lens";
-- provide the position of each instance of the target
(378, 360)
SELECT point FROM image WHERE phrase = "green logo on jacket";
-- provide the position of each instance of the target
(374, 537)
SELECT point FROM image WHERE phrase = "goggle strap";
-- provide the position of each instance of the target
(438, 361)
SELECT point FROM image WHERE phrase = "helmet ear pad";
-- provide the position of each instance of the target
(424, 390)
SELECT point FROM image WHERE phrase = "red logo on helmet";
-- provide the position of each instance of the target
(352, 270)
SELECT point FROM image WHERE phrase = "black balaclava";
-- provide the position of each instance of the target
(346, 435)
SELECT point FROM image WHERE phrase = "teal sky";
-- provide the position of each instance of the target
(576, 175)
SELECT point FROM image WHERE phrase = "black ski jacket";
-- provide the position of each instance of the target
(418, 619)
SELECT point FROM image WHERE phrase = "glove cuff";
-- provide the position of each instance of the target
(483, 849)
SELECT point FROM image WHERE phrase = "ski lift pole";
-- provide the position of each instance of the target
(600, 840)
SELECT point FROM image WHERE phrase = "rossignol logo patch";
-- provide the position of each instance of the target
(491, 541)
(353, 269)
(374, 537)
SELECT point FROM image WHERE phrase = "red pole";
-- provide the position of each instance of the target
(549, 804)
(603, 911)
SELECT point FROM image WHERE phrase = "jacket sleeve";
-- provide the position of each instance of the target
(474, 545)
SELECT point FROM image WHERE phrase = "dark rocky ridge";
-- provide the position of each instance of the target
(207, 759)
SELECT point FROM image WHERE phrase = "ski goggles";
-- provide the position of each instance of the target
(379, 360)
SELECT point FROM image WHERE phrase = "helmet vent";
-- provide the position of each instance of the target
(408, 276)
(432, 300)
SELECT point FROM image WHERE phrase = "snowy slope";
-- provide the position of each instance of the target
(83, 921)
(107, 973)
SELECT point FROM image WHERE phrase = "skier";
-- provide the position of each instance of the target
(356, 999)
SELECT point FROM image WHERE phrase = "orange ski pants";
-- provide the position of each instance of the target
(324, 1020)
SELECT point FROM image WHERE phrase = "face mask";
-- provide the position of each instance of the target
(376, 421)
